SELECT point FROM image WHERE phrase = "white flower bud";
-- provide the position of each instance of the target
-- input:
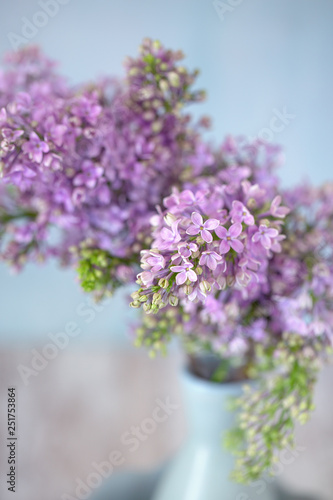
(169, 219)
(205, 286)
(174, 79)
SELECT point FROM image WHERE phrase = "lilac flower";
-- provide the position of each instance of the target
(55, 132)
(89, 175)
(3, 116)
(152, 260)
(185, 272)
(35, 148)
(147, 277)
(198, 226)
(171, 236)
(265, 235)
(210, 259)
(86, 107)
(11, 135)
(85, 156)
(186, 249)
(229, 238)
(276, 210)
(240, 213)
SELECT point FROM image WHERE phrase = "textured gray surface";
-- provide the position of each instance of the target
(74, 412)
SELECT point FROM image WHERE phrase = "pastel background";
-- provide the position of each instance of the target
(258, 60)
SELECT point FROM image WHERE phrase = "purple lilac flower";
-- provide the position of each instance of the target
(96, 160)
(276, 210)
(187, 249)
(198, 226)
(170, 236)
(35, 148)
(265, 235)
(240, 213)
(210, 259)
(185, 272)
(229, 238)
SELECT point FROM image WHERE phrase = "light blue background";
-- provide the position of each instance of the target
(264, 55)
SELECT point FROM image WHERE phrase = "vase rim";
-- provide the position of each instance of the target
(208, 385)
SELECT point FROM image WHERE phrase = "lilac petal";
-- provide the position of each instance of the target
(237, 245)
(37, 156)
(206, 236)
(3, 116)
(211, 224)
(187, 197)
(238, 205)
(184, 251)
(177, 269)
(44, 147)
(272, 233)
(266, 241)
(147, 278)
(91, 183)
(181, 278)
(166, 234)
(235, 230)
(193, 230)
(224, 246)
(256, 237)
(276, 202)
(192, 275)
(78, 180)
(196, 219)
(282, 212)
(249, 219)
(34, 137)
(203, 259)
(211, 262)
(221, 232)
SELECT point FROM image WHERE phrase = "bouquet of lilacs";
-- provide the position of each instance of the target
(93, 160)
(244, 270)
(231, 263)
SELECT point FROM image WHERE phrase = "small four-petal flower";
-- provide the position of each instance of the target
(199, 226)
(185, 272)
(229, 238)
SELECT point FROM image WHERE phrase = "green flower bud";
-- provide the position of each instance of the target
(156, 298)
(188, 289)
(163, 283)
(173, 300)
(251, 204)
(135, 304)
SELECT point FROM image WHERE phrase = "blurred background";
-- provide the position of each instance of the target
(259, 60)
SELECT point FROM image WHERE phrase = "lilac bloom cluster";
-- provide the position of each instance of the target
(244, 261)
(213, 237)
(94, 160)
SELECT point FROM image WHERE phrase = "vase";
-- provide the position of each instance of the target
(202, 468)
